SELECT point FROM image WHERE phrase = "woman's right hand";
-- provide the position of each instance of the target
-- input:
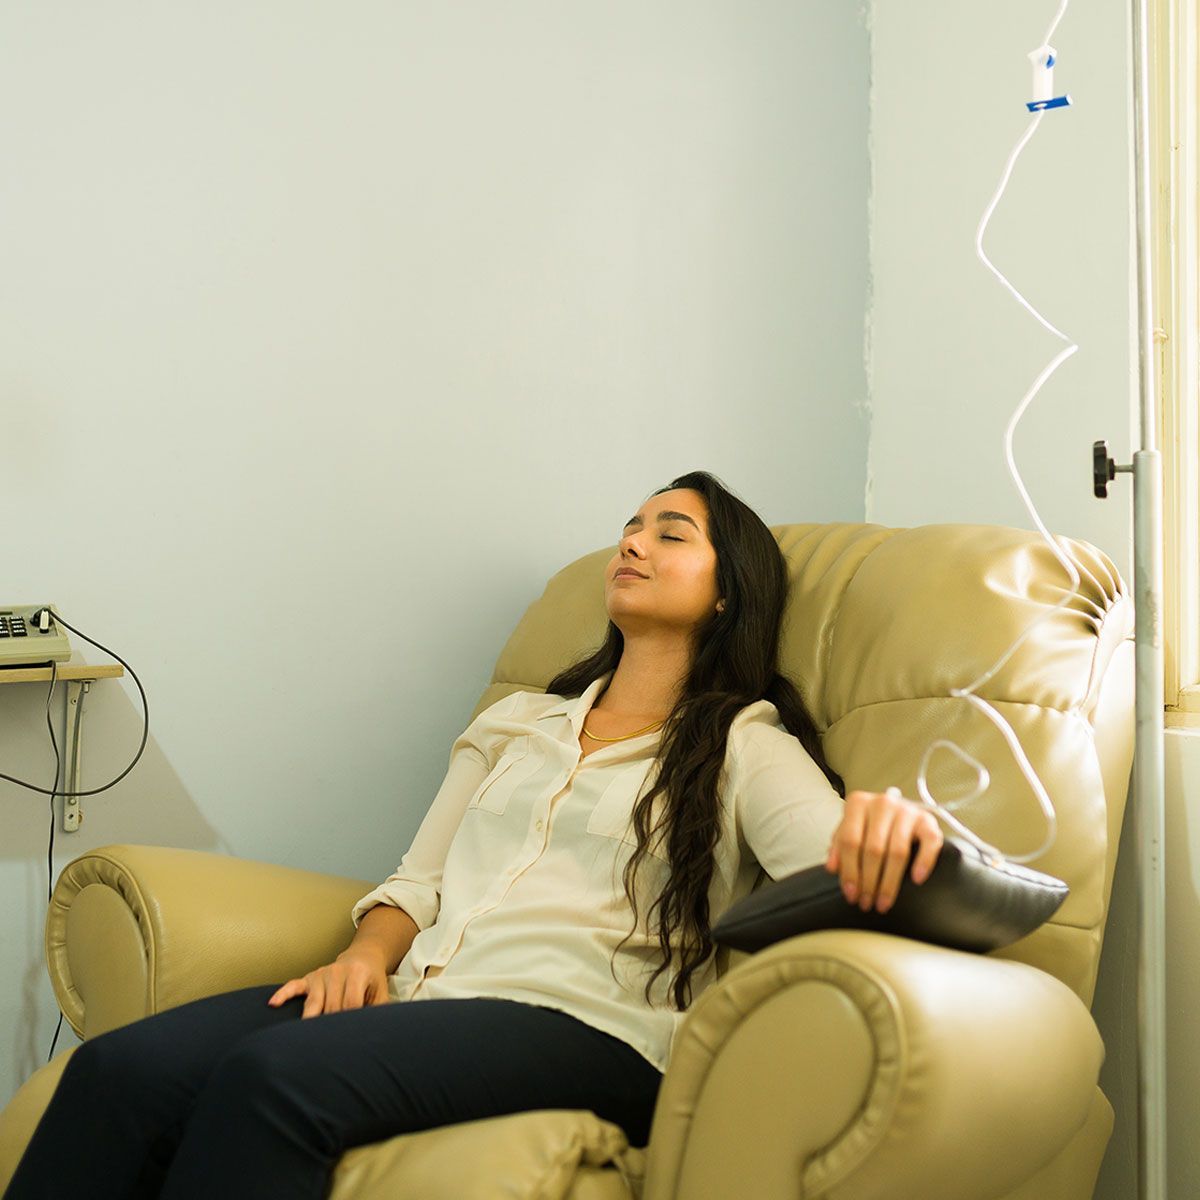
(355, 979)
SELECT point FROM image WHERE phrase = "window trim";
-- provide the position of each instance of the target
(1173, 38)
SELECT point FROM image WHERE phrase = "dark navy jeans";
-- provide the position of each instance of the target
(228, 1097)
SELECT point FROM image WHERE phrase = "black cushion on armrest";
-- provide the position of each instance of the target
(967, 902)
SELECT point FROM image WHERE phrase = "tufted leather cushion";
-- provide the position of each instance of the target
(521, 1156)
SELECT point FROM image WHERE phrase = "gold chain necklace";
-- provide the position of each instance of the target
(624, 735)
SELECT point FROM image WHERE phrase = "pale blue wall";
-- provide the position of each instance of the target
(327, 335)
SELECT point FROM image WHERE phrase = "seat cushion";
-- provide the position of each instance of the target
(522, 1156)
(21, 1115)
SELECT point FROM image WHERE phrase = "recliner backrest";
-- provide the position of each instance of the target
(881, 625)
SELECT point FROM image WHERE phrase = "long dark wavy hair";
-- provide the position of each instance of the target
(734, 663)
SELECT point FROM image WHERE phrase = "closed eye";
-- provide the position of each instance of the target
(669, 538)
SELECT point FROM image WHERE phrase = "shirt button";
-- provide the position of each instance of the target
(539, 826)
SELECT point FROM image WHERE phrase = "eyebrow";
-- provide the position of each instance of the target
(665, 515)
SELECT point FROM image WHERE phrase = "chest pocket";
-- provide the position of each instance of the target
(613, 815)
(513, 768)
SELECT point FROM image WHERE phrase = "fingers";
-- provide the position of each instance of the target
(932, 840)
(315, 1004)
(847, 843)
(832, 859)
(344, 988)
(898, 850)
(293, 987)
(873, 843)
(881, 816)
(333, 988)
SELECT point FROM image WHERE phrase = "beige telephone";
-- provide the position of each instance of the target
(25, 641)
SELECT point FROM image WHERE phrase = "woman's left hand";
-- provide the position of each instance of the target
(871, 846)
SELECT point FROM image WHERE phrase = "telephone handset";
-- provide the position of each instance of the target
(30, 636)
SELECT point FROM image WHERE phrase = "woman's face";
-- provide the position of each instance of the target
(666, 543)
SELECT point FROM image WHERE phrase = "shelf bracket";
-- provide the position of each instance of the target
(77, 689)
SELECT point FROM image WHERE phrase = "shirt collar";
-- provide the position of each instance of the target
(576, 708)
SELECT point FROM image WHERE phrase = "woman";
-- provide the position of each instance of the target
(675, 752)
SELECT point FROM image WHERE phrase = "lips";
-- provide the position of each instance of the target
(629, 571)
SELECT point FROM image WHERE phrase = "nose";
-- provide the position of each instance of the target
(628, 546)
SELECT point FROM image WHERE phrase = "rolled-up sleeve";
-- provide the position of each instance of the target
(415, 885)
(787, 810)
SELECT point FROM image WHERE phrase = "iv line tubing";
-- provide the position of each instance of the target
(927, 800)
(1148, 772)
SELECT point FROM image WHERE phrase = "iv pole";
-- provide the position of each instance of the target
(1148, 655)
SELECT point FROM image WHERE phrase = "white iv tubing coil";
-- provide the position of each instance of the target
(1043, 59)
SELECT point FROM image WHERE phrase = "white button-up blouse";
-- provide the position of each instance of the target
(514, 877)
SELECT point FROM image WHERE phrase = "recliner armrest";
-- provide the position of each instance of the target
(854, 1063)
(134, 930)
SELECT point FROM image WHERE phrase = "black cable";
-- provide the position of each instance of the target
(54, 791)
(50, 850)
(57, 1028)
(57, 774)
(145, 728)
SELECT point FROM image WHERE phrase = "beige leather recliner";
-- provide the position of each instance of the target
(839, 1064)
